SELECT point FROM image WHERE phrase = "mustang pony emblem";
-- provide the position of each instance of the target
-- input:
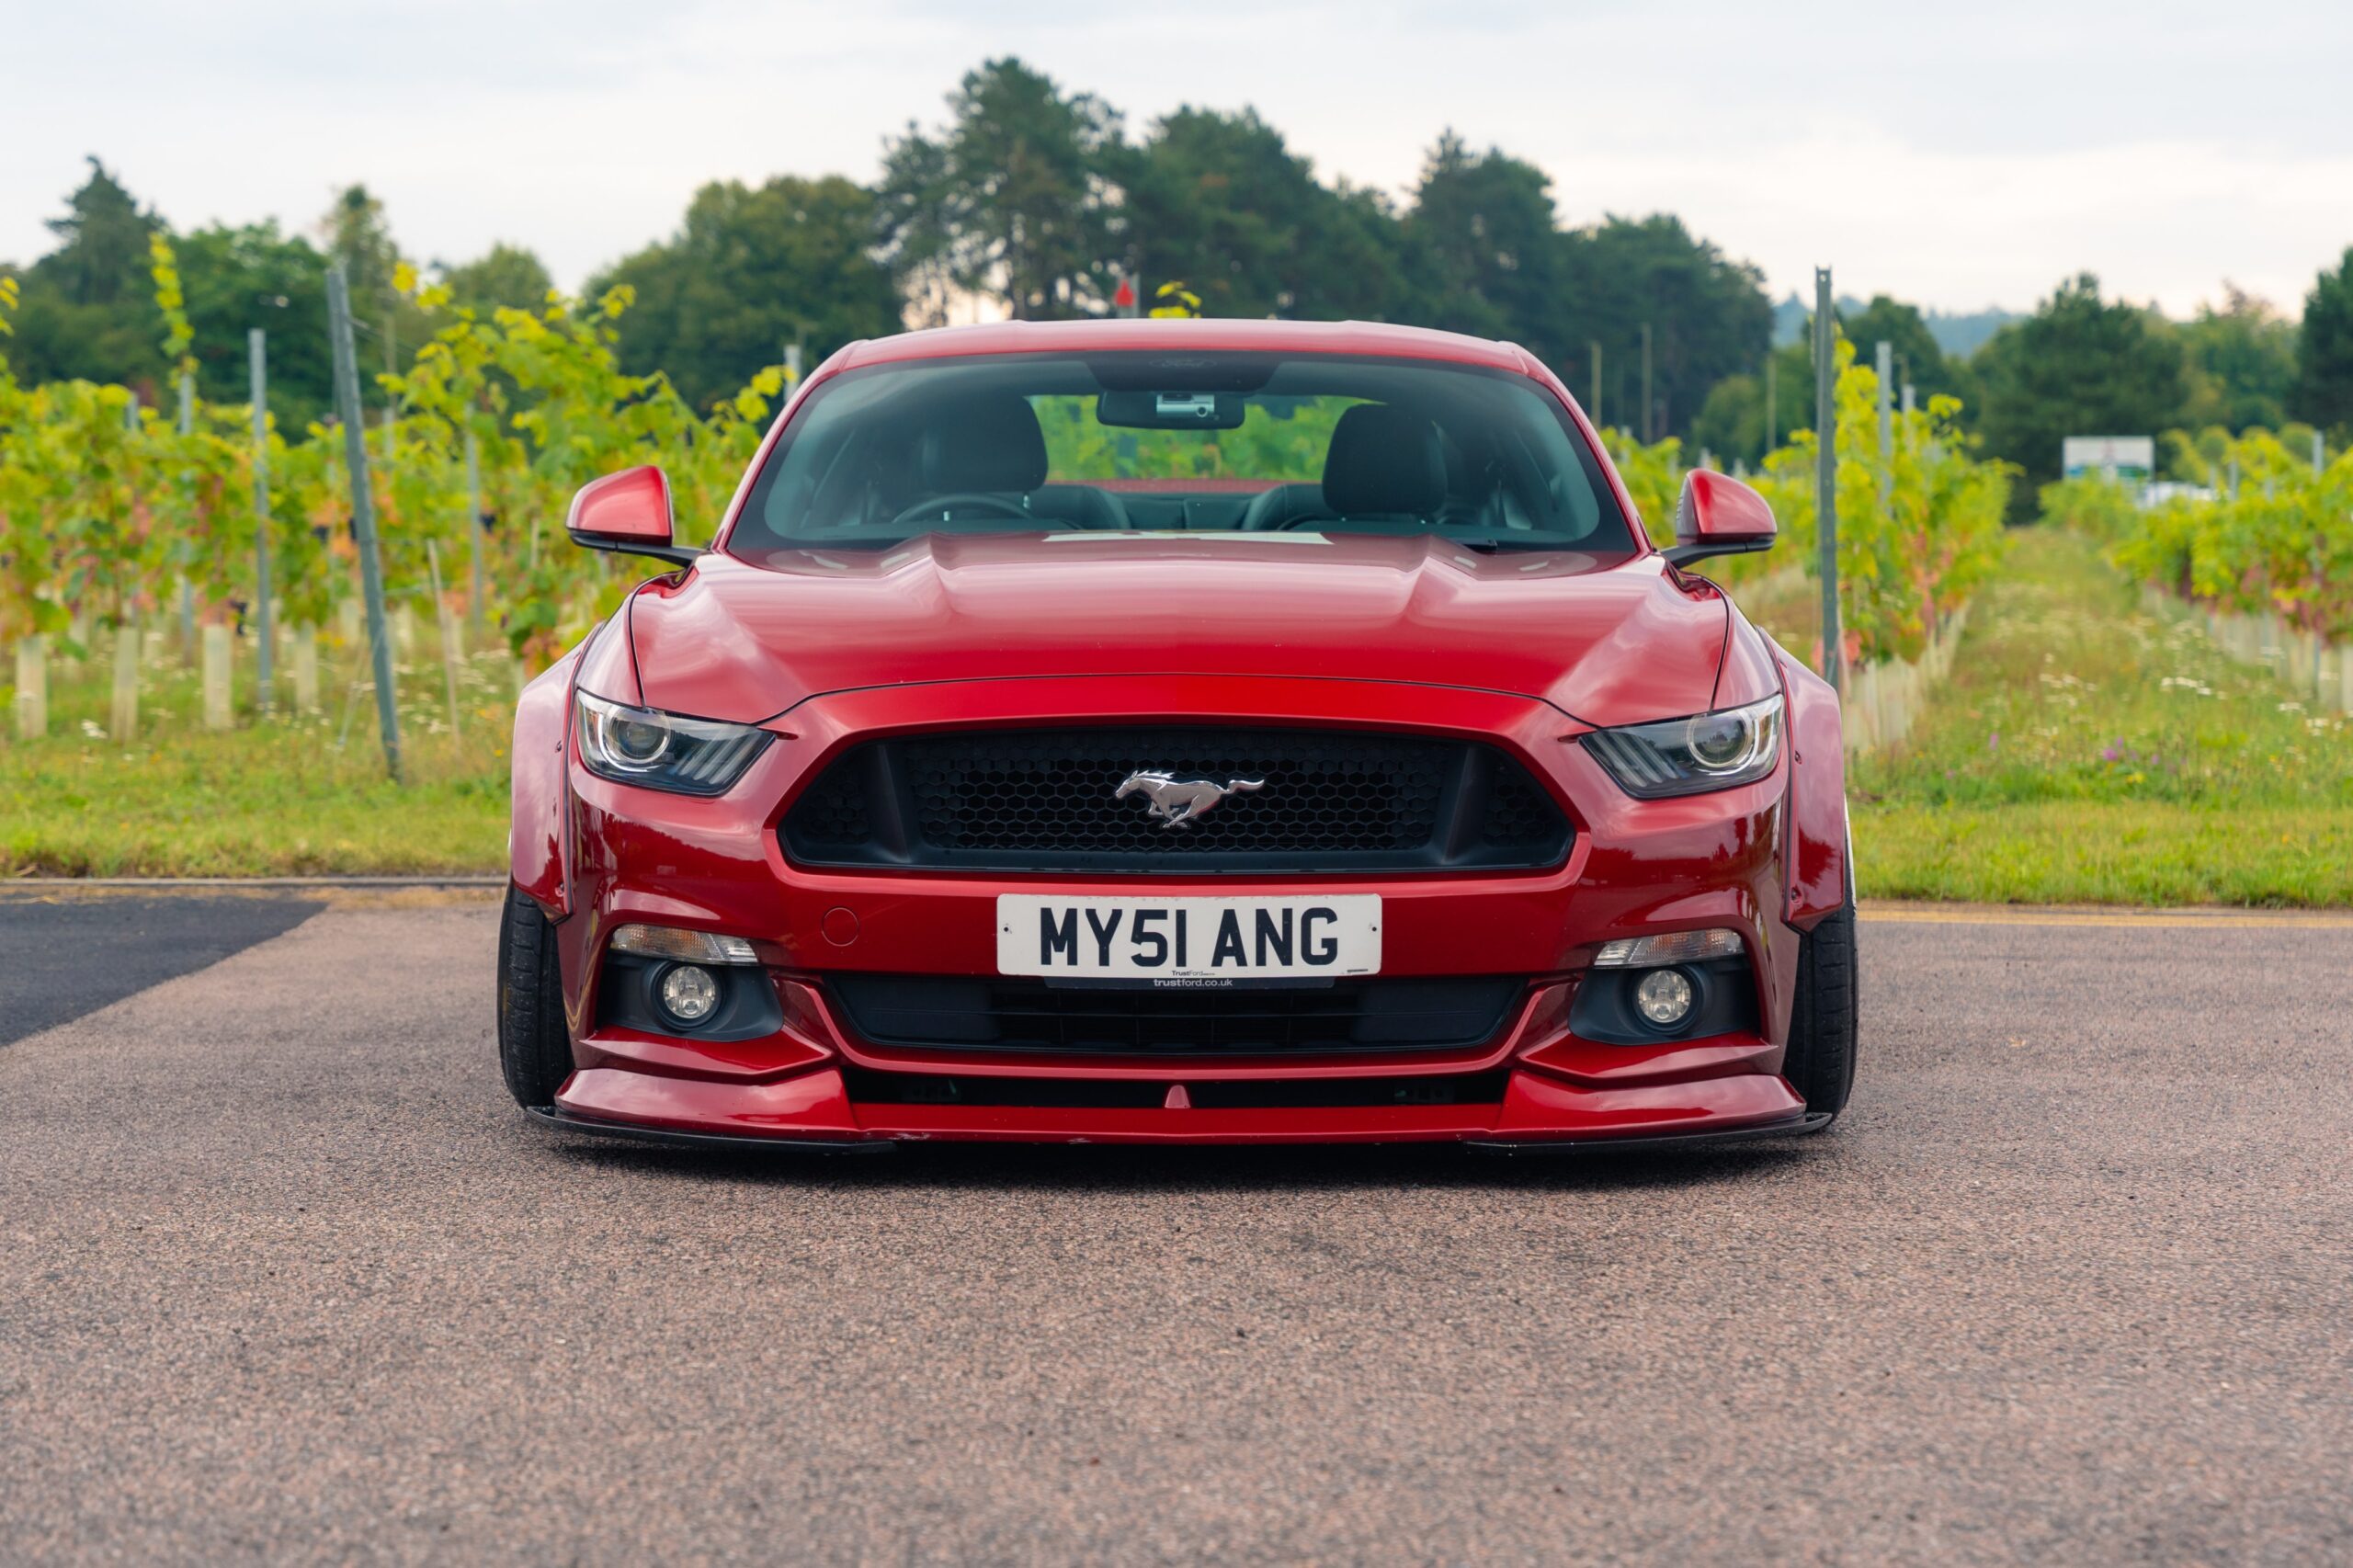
(1177, 802)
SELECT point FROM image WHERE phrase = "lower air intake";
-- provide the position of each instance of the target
(949, 1013)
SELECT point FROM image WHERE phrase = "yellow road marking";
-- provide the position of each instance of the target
(2184, 920)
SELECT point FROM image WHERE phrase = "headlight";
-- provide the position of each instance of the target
(1686, 756)
(663, 751)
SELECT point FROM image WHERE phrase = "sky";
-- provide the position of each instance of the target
(1959, 156)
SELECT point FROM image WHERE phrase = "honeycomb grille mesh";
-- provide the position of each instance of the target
(1048, 798)
(1056, 791)
(834, 811)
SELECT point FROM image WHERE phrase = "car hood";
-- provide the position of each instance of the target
(1606, 640)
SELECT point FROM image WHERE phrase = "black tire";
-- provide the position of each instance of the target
(534, 1045)
(1821, 1060)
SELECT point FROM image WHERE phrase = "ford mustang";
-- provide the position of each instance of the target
(1179, 731)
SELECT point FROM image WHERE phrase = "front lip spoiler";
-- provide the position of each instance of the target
(1799, 1126)
(552, 1116)
(1796, 1127)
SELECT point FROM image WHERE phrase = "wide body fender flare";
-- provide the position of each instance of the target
(1818, 873)
(539, 838)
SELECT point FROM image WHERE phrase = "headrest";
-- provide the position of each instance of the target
(991, 442)
(1384, 461)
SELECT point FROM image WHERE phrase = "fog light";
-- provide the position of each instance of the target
(689, 994)
(1664, 997)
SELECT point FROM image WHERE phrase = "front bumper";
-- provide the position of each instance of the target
(1636, 867)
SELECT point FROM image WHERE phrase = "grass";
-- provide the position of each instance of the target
(2083, 751)
(2086, 750)
(283, 796)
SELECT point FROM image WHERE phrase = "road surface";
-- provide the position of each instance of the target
(283, 1275)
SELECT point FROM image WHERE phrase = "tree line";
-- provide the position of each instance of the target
(1036, 202)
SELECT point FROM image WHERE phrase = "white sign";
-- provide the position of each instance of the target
(2118, 457)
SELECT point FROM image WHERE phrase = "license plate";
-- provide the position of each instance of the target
(1192, 940)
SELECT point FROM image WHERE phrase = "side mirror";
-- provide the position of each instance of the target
(1717, 516)
(627, 513)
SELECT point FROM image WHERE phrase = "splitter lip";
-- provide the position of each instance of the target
(553, 1116)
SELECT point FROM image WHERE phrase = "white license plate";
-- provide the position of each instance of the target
(1190, 940)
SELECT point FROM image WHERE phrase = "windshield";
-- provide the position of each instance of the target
(1194, 442)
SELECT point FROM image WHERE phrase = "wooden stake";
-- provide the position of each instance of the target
(306, 668)
(32, 688)
(447, 624)
(123, 721)
(219, 713)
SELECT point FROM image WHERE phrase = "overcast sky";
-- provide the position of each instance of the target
(1957, 155)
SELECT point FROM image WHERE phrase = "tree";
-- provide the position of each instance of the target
(1730, 422)
(1919, 358)
(505, 275)
(2078, 366)
(239, 279)
(1220, 204)
(358, 234)
(2241, 364)
(2323, 393)
(391, 326)
(101, 257)
(1216, 201)
(1013, 197)
(1731, 418)
(88, 308)
(1488, 256)
(753, 268)
(1708, 318)
(1488, 248)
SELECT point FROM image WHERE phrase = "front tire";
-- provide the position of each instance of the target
(1819, 1063)
(534, 1045)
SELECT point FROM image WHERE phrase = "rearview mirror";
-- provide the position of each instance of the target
(1718, 516)
(629, 514)
(1171, 410)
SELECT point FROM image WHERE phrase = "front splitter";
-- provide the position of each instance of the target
(553, 1116)
(1794, 1127)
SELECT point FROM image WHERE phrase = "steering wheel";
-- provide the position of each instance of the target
(956, 499)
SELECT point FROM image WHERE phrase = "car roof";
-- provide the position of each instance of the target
(1371, 338)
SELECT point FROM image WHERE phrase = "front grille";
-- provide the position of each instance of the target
(1048, 800)
(868, 1087)
(952, 1013)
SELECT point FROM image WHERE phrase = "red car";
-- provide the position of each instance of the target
(1179, 731)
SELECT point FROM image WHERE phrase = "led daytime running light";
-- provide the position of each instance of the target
(1672, 947)
(682, 946)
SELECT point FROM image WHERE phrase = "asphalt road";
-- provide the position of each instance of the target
(282, 1275)
(64, 954)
